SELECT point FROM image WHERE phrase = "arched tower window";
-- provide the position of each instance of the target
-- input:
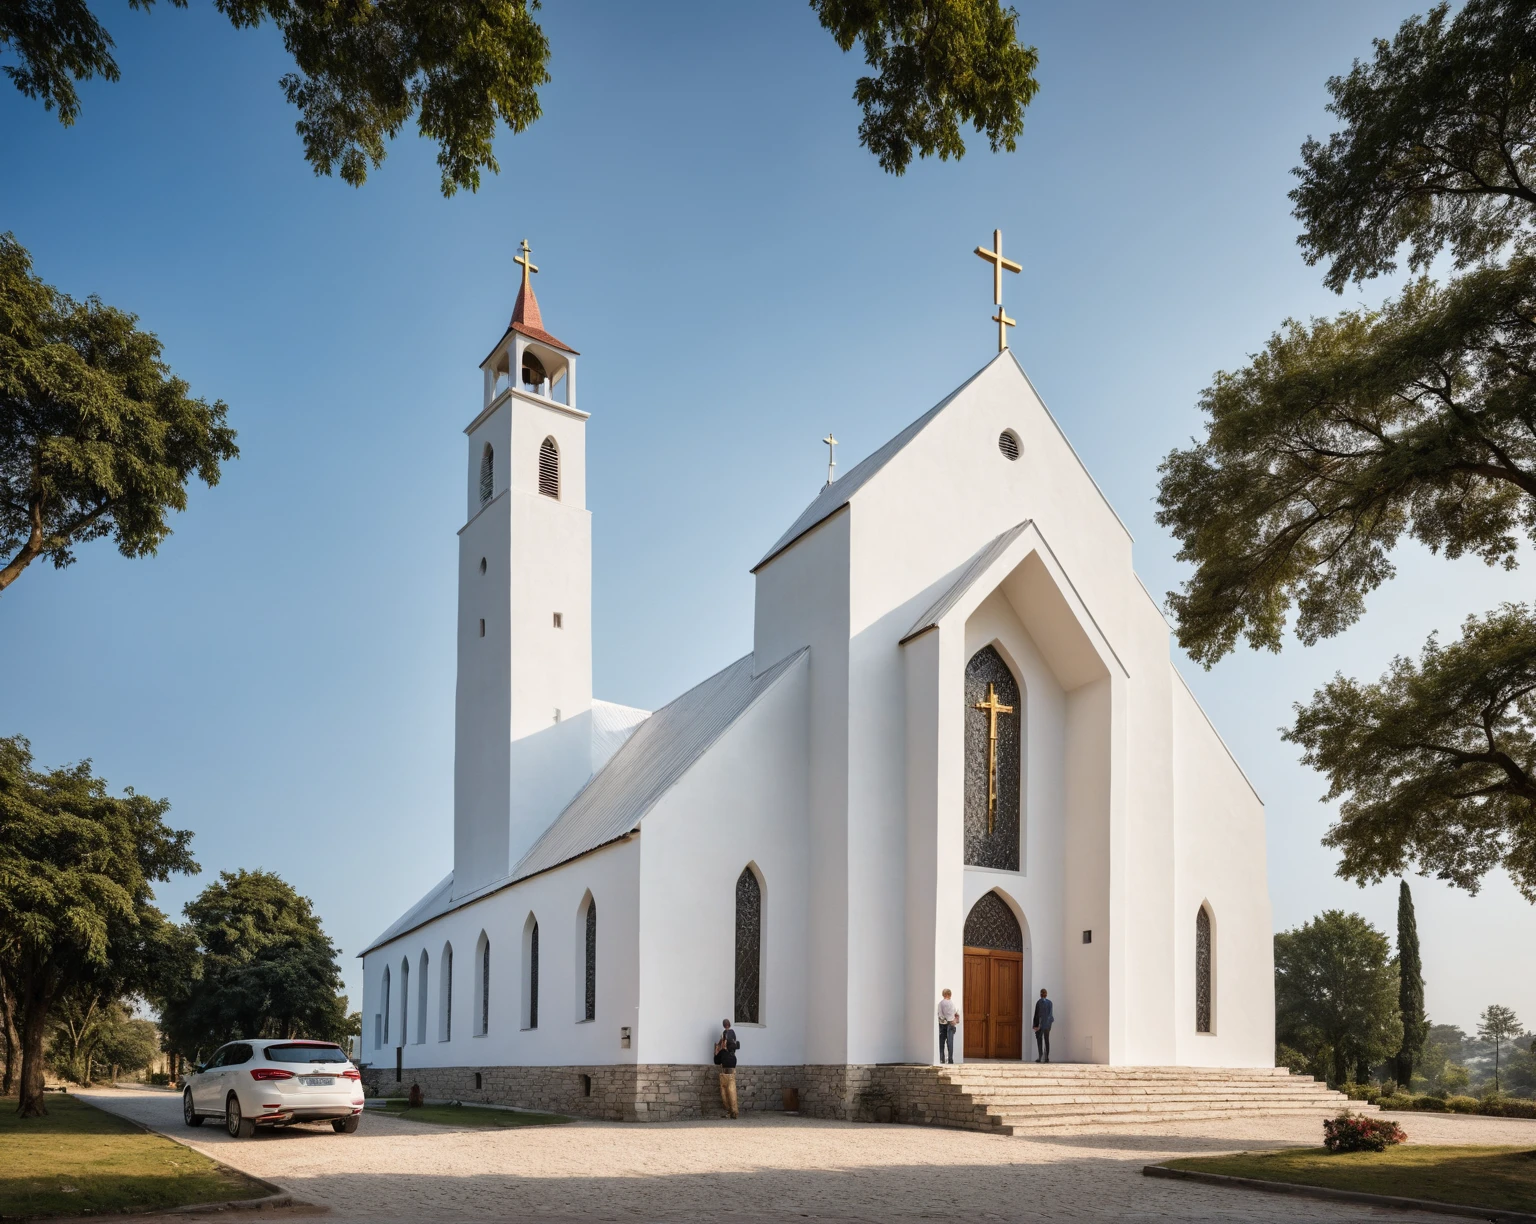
(993, 717)
(749, 946)
(549, 468)
(591, 961)
(445, 996)
(384, 1008)
(487, 473)
(1203, 952)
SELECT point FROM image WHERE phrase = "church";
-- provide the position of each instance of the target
(956, 755)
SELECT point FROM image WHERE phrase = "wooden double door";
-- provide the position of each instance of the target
(994, 1003)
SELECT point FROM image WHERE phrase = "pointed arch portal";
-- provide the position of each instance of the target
(993, 996)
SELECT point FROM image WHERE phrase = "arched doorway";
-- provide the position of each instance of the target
(994, 981)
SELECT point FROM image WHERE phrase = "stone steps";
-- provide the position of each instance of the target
(1006, 1099)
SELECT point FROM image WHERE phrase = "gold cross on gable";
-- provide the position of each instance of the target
(992, 707)
(831, 444)
(999, 265)
(528, 265)
(1003, 324)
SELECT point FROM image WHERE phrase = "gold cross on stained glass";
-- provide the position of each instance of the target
(992, 707)
(527, 263)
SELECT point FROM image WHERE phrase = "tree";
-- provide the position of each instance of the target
(1498, 1025)
(264, 968)
(940, 63)
(365, 69)
(76, 865)
(1410, 987)
(1336, 987)
(97, 436)
(1435, 763)
(127, 1044)
(1418, 418)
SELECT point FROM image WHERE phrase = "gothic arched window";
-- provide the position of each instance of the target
(483, 985)
(1203, 970)
(405, 1001)
(385, 1007)
(993, 924)
(549, 468)
(749, 946)
(445, 996)
(487, 473)
(591, 961)
(531, 973)
(993, 716)
(421, 1001)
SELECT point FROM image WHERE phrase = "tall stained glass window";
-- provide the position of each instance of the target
(749, 946)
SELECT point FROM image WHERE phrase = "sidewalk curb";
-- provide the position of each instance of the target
(275, 1197)
(1341, 1196)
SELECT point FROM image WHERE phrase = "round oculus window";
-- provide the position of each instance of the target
(1008, 443)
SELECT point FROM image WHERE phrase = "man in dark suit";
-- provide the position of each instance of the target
(1042, 1023)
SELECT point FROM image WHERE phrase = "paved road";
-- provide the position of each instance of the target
(765, 1168)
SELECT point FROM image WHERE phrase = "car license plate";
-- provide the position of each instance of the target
(317, 1081)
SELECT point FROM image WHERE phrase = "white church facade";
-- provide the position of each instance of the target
(958, 754)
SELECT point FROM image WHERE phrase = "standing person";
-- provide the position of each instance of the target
(725, 1059)
(948, 1017)
(1043, 1021)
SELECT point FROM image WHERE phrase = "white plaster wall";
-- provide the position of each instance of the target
(562, 1038)
(1220, 858)
(802, 600)
(745, 801)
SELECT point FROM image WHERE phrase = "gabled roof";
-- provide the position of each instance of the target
(836, 495)
(616, 798)
(527, 320)
(969, 572)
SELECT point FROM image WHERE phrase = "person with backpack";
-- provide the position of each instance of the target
(725, 1059)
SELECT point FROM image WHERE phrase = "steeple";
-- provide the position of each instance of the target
(526, 319)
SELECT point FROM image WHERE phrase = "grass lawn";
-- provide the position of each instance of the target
(82, 1159)
(464, 1115)
(1493, 1177)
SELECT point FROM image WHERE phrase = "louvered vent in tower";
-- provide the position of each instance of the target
(549, 469)
(487, 473)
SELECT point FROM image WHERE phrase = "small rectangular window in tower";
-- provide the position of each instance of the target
(1087, 936)
(482, 626)
(559, 621)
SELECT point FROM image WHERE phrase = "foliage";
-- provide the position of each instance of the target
(1435, 763)
(92, 1032)
(1437, 146)
(1360, 1133)
(1497, 1024)
(76, 865)
(1336, 986)
(938, 64)
(97, 436)
(1410, 988)
(263, 967)
(1294, 1061)
(1342, 436)
(364, 69)
(80, 1160)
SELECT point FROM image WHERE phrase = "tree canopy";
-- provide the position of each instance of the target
(1336, 993)
(1410, 987)
(364, 69)
(263, 968)
(76, 866)
(97, 436)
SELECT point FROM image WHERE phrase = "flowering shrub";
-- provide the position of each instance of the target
(1359, 1133)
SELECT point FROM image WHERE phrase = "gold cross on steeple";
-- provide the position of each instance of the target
(999, 264)
(1003, 324)
(992, 707)
(528, 265)
(831, 444)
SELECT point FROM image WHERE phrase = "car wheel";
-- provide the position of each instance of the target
(189, 1113)
(239, 1127)
(344, 1126)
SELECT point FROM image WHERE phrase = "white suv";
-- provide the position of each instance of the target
(274, 1083)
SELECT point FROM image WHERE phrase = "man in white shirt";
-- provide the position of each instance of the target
(949, 1016)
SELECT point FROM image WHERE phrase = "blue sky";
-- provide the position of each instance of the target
(740, 277)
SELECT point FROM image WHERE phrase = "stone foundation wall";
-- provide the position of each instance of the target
(667, 1092)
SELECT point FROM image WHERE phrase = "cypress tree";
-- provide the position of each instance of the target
(1410, 987)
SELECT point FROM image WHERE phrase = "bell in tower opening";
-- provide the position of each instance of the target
(534, 376)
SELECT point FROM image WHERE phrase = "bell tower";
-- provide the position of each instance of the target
(523, 708)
